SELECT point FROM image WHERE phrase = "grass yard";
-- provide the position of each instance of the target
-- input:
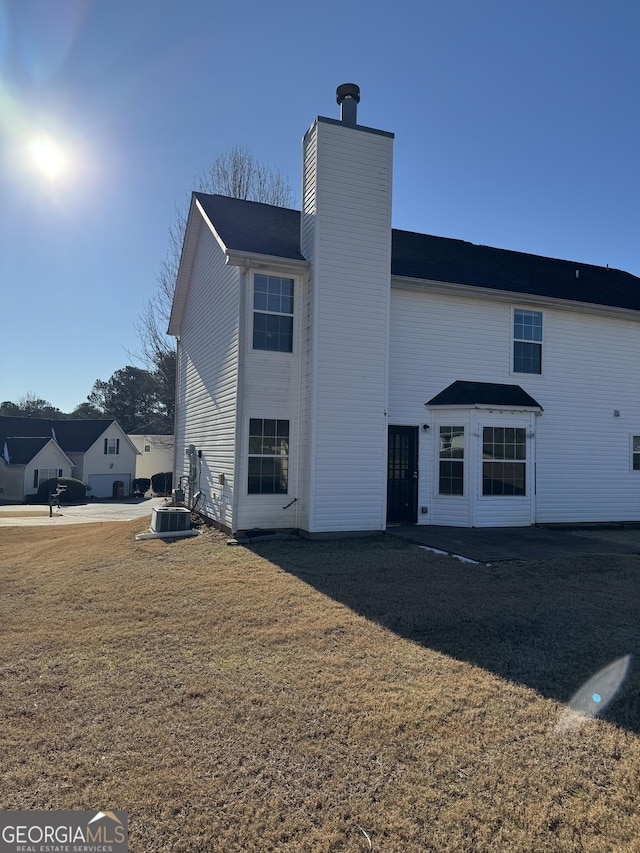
(328, 696)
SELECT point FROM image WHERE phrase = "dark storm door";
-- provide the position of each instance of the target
(402, 476)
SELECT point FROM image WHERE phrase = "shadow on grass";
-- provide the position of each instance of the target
(548, 624)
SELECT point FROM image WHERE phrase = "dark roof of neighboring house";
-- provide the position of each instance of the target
(484, 394)
(24, 427)
(264, 229)
(73, 436)
(78, 436)
(23, 450)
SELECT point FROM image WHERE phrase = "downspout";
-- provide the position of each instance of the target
(176, 479)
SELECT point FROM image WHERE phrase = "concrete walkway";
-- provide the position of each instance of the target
(494, 544)
(21, 515)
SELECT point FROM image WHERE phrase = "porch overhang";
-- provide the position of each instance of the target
(484, 395)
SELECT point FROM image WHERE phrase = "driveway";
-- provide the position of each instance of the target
(94, 511)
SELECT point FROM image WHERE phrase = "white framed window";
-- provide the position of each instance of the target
(451, 473)
(527, 341)
(112, 446)
(147, 448)
(41, 475)
(504, 461)
(635, 452)
(272, 313)
(268, 456)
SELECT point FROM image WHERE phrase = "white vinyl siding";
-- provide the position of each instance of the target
(207, 379)
(270, 390)
(581, 470)
(350, 250)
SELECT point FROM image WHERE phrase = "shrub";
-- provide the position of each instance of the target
(162, 483)
(141, 486)
(75, 489)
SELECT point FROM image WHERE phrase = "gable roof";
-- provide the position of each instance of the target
(255, 228)
(78, 436)
(461, 393)
(22, 450)
(250, 226)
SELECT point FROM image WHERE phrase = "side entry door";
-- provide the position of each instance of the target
(402, 475)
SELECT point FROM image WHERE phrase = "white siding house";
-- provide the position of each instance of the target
(155, 453)
(97, 452)
(336, 375)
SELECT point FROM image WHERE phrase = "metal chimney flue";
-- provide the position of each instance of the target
(348, 96)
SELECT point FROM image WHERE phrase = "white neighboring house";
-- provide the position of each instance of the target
(155, 452)
(336, 375)
(98, 452)
(28, 462)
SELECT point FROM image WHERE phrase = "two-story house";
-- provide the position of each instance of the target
(336, 375)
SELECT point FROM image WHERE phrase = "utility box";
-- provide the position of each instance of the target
(170, 519)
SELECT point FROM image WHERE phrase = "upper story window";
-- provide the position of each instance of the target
(527, 341)
(111, 446)
(635, 452)
(273, 313)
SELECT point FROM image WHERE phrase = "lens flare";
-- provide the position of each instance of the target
(594, 696)
(47, 157)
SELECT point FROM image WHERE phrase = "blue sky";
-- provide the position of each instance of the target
(516, 124)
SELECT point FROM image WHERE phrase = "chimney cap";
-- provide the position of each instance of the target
(348, 90)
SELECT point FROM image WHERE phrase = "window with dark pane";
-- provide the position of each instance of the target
(451, 479)
(268, 456)
(504, 466)
(527, 341)
(272, 313)
(636, 452)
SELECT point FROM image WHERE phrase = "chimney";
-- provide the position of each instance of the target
(348, 96)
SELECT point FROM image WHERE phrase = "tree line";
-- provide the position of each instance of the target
(133, 396)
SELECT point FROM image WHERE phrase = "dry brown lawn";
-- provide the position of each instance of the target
(328, 696)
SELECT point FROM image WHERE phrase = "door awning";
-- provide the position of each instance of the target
(485, 395)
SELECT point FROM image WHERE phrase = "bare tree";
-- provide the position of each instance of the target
(236, 173)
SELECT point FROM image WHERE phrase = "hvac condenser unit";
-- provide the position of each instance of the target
(169, 519)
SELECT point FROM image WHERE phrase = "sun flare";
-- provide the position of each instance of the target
(47, 157)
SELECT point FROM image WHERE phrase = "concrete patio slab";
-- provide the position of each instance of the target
(494, 544)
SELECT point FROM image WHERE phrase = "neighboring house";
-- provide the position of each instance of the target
(155, 449)
(337, 376)
(98, 452)
(28, 462)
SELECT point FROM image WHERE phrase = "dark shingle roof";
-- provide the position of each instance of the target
(78, 436)
(73, 436)
(22, 450)
(250, 226)
(483, 394)
(264, 229)
(458, 262)
(24, 427)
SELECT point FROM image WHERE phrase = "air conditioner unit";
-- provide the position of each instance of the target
(170, 519)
